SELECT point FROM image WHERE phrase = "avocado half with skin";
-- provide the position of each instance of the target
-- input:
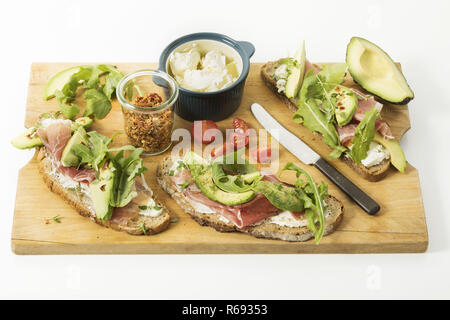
(375, 71)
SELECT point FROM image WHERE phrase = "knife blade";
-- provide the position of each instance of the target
(308, 156)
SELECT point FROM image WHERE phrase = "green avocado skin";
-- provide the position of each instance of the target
(401, 103)
(203, 179)
(359, 78)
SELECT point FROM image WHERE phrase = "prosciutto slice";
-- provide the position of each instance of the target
(123, 215)
(78, 175)
(346, 133)
(242, 215)
(55, 137)
(365, 104)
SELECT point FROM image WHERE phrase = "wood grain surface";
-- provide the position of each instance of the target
(400, 226)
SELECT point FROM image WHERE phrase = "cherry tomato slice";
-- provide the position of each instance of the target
(199, 128)
(239, 138)
(262, 155)
(240, 125)
(226, 148)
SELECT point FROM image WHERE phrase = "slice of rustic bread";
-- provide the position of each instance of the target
(82, 203)
(373, 173)
(265, 229)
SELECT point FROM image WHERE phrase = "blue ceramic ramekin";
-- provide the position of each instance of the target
(217, 105)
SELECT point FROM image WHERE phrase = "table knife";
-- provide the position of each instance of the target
(308, 156)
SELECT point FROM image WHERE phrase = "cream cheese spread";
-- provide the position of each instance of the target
(281, 74)
(152, 209)
(376, 154)
(286, 219)
(48, 121)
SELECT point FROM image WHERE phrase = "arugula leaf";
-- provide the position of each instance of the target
(127, 169)
(111, 82)
(234, 163)
(84, 153)
(313, 197)
(97, 103)
(364, 135)
(94, 79)
(318, 86)
(94, 154)
(282, 197)
(316, 106)
(68, 110)
(310, 115)
(70, 88)
(98, 95)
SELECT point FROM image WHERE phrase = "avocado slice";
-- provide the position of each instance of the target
(68, 158)
(297, 73)
(84, 122)
(398, 159)
(232, 183)
(26, 140)
(346, 103)
(203, 179)
(101, 190)
(376, 72)
(58, 81)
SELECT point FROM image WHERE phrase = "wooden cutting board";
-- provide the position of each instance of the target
(400, 226)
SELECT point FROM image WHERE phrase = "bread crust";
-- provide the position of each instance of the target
(264, 230)
(82, 204)
(373, 173)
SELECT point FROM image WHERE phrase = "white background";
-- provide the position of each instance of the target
(413, 32)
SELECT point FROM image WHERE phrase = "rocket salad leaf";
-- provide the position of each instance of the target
(316, 106)
(314, 198)
(126, 170)
(364, 135)
(97, 103)
(310, 115)
(281, 196)
(99, 94)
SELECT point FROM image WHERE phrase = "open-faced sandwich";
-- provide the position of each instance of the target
(100, 182)
(348, 119)
(231, 195)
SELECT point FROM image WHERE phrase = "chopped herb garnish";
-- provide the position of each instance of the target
(174, 220)
(185, 185)
(143, 228)
(181, 165)
(171, 173)
(155, 207)
(56, 219)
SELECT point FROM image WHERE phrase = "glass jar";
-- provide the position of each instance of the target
(147, 98)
